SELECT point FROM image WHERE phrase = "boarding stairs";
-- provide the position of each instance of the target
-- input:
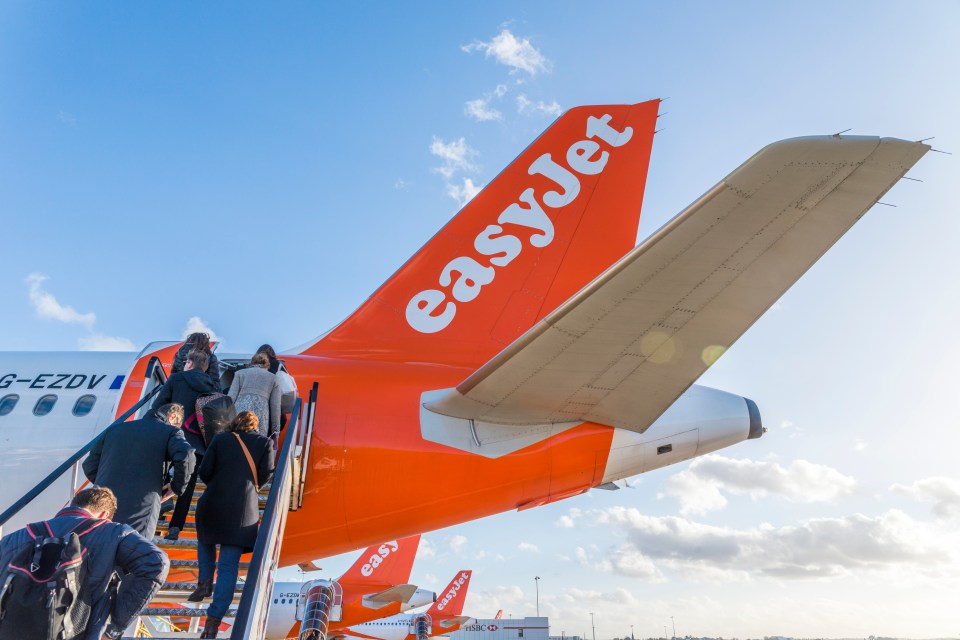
(170, 615)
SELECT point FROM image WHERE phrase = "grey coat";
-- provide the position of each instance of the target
(131, 459)
(113, 550)
(257, 381)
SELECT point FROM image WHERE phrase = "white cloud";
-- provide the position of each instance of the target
(698, 488)
(816, 548)
(456, 156)
(527, 106)
(480, 110)
(98, 342)
(943, 492)
(463, 193)
(456, 543)
(528, 546)
(500, 90)
(47, 306)
(196, 325)
(426, 549)
(507, 49)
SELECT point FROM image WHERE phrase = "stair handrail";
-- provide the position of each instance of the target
(67, 464)
(250, 623)
(306, 437)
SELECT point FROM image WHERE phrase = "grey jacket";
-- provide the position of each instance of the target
(258, 381)
(113, 550)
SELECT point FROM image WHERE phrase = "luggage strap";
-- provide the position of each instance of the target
(246, 453)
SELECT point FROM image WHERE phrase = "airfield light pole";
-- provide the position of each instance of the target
(631, 633)
(536, 581)
(664, 632)
(674, 628)
(593, 626)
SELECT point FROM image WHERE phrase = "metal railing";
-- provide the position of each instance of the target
(74, 460)
(253, 608)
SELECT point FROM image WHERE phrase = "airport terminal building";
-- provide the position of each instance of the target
(504, 629)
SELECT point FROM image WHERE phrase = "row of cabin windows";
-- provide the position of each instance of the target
(82, 407)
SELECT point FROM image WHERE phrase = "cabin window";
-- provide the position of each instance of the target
(44, 405)
(84, 405)
(8, 402)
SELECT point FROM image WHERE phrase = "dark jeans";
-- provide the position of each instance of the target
(228, 566)
(179, 517)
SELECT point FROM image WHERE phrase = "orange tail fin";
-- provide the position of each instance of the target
(566, 209)
(388, 563)
(450, 602)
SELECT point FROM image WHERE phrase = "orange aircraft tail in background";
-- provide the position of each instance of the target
(546, 226)
(450, 601)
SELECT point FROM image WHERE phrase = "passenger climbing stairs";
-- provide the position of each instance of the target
(170, 614)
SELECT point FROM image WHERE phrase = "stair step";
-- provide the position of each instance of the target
(189, 586)
(183, 612)
(181, 564)
(182, 543)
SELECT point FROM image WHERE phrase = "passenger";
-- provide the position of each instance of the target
(256, 389)
(236, 465)
(268, 351)
(184, 388)
(198, 342)
(114, 551)
(131, 459)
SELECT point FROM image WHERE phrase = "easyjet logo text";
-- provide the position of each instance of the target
(454, 590)
(462, 279)
(377, 558)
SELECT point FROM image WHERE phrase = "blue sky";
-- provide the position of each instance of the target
(264, 168)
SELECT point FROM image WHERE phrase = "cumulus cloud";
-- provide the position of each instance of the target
(816, 548)
(527, 106)
(456, 543)
(463, 193)
(456, 156)
(99, 342)
(943, 492)
(196, 325)
(517, 53)
(47, 306)
(698, 488)
(480, 110)
(426, 549)
(528, 546)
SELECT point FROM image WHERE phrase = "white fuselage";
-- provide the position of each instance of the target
(34, 445)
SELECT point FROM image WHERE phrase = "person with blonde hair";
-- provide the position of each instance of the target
(237, 463)
(256, 389)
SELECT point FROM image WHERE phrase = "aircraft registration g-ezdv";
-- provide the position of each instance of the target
(528, 352)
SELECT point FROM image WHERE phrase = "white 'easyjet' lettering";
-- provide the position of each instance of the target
(431, 310)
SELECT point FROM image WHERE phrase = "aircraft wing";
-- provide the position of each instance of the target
(621, 350)
(399, 593)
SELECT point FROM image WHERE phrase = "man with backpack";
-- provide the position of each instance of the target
(78, 576)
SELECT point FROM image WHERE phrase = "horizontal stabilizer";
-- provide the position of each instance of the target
(625, 347)
(451, 622)
(400, 594)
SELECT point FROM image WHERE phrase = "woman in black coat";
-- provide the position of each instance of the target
(228, 512)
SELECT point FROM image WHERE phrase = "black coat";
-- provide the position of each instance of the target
(131, 459)
(184, 388)
(228, 512)
(213, 365)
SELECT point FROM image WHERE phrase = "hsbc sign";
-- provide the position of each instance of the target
(480, 627)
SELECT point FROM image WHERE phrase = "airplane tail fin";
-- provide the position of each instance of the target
(450, 602)
(564, 210)
(388, 563)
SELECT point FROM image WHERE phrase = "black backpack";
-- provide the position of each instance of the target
(40, 589)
